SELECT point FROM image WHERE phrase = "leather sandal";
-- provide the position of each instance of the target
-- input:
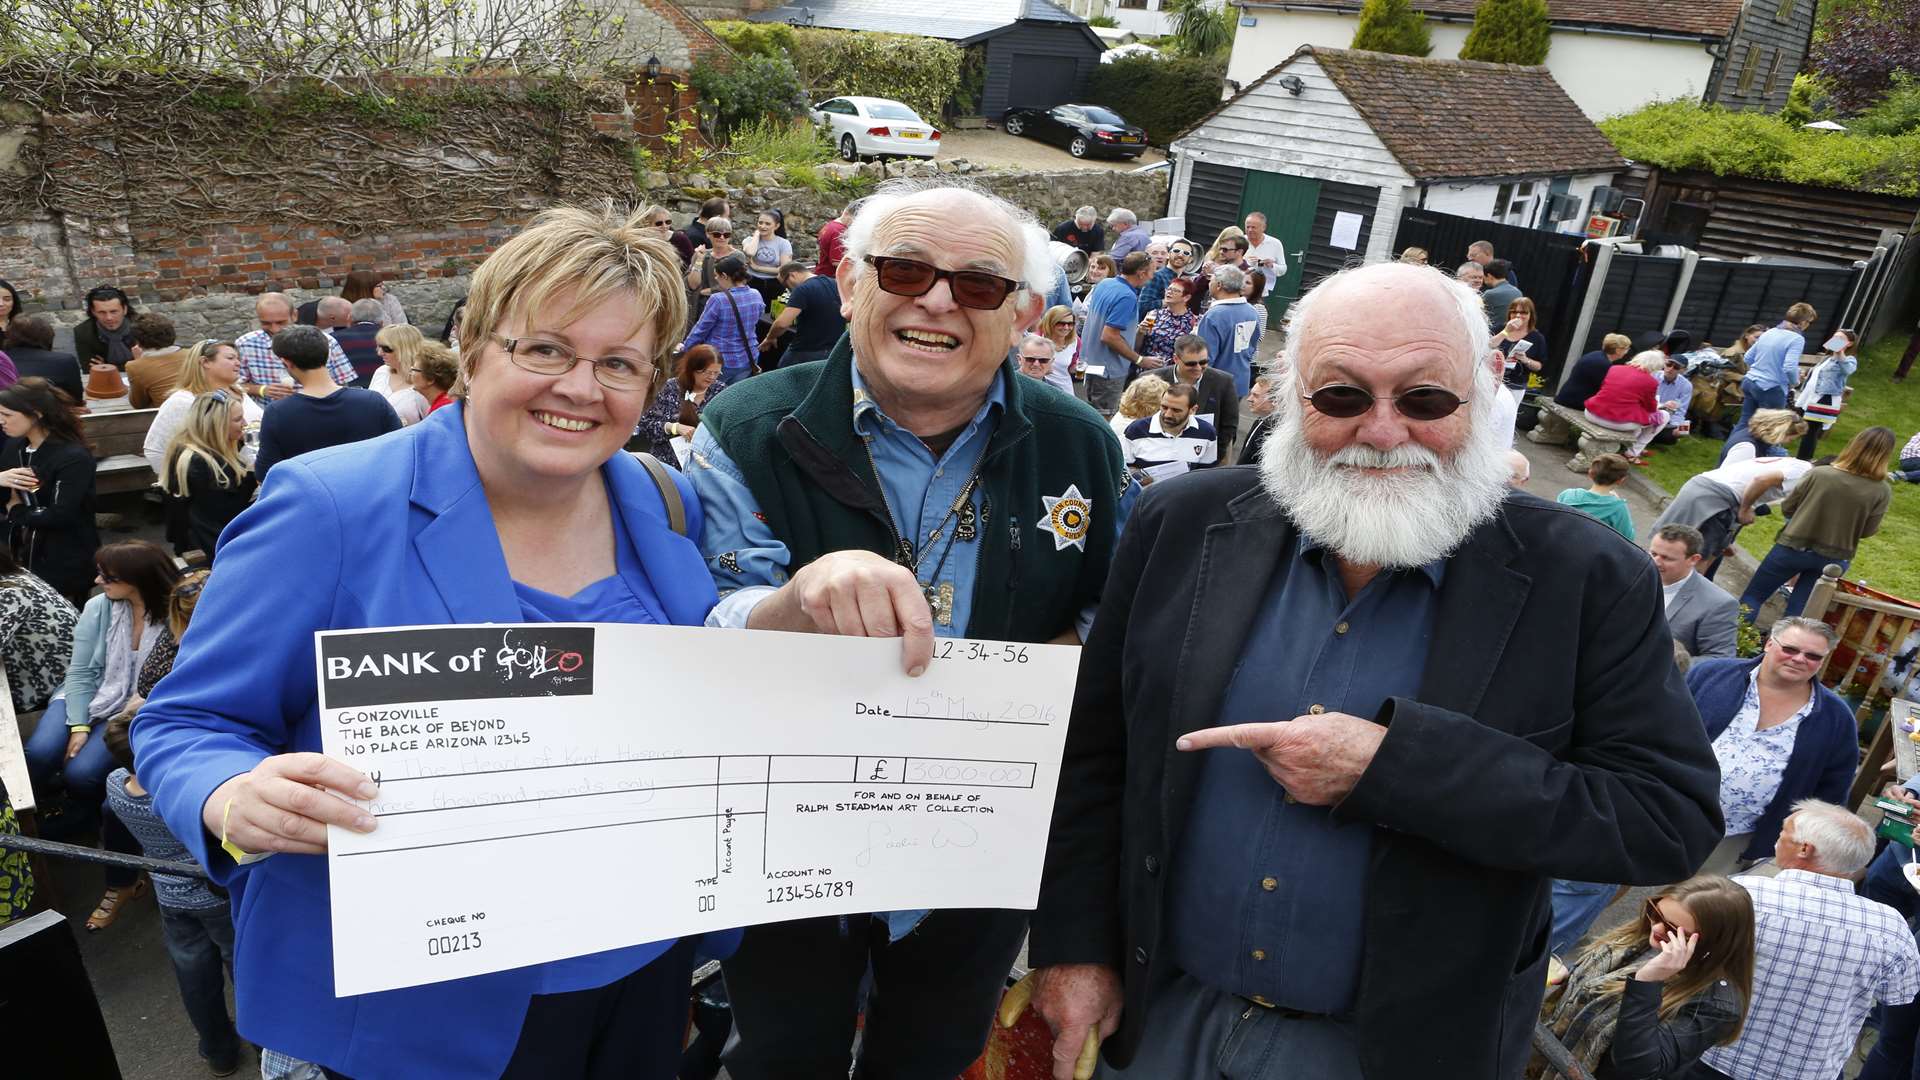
(112, 902)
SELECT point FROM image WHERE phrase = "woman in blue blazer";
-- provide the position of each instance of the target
(516, 506)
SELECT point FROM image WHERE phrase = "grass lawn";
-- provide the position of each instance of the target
(1888, 561)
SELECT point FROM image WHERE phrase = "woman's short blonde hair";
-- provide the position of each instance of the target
(405, 341)
(592, 257)
(1616, 343)
(1653, 361)
(193, 366)
(1142, 397)
(1776, 427)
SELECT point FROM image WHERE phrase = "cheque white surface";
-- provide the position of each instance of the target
(705, 778)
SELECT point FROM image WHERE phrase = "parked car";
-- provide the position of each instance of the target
(1081, 129)
(864, 127)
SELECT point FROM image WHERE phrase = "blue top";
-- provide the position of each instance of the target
(1231, 329)
(1129, 241)
(1062, 293)
(1674, 395)
(300, 424)
(1268, 897)
(1826, 749)
(732, 338)
(391, 532)
(1113, 303)
(1773, 360)
(136, 812)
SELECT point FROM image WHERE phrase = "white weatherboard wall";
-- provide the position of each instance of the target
(1475, 199)
(1604, 74)
(1318, 135)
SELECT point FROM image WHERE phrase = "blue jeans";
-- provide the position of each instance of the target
(1755, 400)
(200, 944)
(46, 749)
(1909, 469)
(731, 375)
(1782, 563)
(1576, 904)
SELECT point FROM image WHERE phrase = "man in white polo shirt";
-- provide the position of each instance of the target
(1171, 441)
(1265, 252)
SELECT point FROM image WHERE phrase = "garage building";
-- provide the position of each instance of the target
(1037, 54)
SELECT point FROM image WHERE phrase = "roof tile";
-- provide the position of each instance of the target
(1707, 18)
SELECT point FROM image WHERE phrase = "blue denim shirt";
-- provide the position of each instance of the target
(1268, 895)
(1773, 361)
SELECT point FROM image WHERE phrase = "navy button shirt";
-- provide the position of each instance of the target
(1268, 896)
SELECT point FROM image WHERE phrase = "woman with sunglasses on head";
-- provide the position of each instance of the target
(398, 346)
(514, 504)
(205, 470)
(1644, 1001)
(47, 470)
(115, 632)
(727, 322)
(210, 365)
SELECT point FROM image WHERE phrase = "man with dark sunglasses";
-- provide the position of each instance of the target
(1342, 717)
(910, 485)
(1213, 398)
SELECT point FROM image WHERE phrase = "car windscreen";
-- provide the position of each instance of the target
(1102, 116)
(891, 112)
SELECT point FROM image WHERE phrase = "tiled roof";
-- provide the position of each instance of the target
(1462, 118)
(1708, 18)
(951, 21)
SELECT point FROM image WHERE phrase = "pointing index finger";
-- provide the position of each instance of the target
(1242, 736)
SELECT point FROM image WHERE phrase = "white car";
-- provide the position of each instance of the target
(864, 127)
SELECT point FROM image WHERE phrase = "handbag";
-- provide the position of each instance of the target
(740, 325)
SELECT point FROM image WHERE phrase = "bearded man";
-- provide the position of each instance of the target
(1317, 841)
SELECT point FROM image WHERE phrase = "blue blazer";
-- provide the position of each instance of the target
(1826, 749)
(393, 531)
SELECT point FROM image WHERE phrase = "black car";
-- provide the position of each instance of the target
(1081, 129)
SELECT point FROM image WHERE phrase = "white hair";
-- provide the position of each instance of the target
(1036, 270)
(1030, 338)
(1123, 216)
(1842, 843)
(1406, 519)
(1653, 361)
(1085, 213)
(369, 310)
(1231, 278)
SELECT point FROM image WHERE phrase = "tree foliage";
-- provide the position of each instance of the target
(1201, 28)
(1161, 94)
(1509, 32)
(1862, 49)
(1688, 135)
(922, 72)
(1896, 114)
(754, 38)
(1392, 26)
(741, 89)
(265, 41)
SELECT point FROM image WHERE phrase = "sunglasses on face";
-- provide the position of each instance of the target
(383, 348)
(1808, 655)
(719, 232)
(105, 578)
(1344, 402)
(1193, 363)
(1036, 359)
(975, 289)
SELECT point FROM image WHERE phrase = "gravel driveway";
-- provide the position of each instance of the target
(991, 146)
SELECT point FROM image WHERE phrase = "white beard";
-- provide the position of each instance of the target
(1399, 521)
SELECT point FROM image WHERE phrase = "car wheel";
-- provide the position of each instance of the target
(1078, 147)
(848, 151)
(1015, 125)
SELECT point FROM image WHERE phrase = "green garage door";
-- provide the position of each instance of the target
(1289, 203)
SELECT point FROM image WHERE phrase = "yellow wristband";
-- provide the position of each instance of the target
(240, 858)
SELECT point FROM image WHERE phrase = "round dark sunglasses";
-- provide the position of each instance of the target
(971, 288)
(1420, 403)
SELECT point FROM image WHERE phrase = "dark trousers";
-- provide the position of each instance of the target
(200, 944)
(1754, 400)
(1909, 469)
(795, 990)
(1907, 358)
(1781, 564)
(630, 1029)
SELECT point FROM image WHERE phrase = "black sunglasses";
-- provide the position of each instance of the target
(1193, 363)
(719, 232)
(1420, 403)
(971, 288)
(1795, 650)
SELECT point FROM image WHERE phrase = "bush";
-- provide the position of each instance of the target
(1162, 95)
(1688, 135)
(923, 73)
(1509, 32)
(1862, 49)
(1806, 101)
(776, 144)
(747, 88)
(1896, 114)
(1392, 26)
(1105, 22)
(754, 39)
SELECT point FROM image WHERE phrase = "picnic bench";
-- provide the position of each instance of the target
(119, 438)
(1559, 424)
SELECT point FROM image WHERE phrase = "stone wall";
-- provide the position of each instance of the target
(428, 269)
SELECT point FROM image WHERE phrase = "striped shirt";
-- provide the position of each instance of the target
(1146, 444)
(260, 367)
(1822, 957)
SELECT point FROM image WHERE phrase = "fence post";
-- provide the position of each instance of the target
(1680, 290)
(1596, 284)
(1822, 594)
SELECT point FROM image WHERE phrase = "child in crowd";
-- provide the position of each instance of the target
(1606, 473)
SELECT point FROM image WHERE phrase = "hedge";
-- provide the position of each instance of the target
(1162, 95)
(1687, 135)
(921, 72)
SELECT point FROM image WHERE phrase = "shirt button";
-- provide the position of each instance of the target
(1316, 709)
(1340, 628)
(1259, 954)
(1289, 799)
(1269, 884)
(1140, 956)
(939, 473)
(1153, 864)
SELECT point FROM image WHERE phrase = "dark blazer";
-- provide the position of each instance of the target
(1826, 749)
(62, 369)
(1550, 739)
(52, 531)
(1215, 397)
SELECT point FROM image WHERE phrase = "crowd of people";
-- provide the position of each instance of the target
(1478, 718)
